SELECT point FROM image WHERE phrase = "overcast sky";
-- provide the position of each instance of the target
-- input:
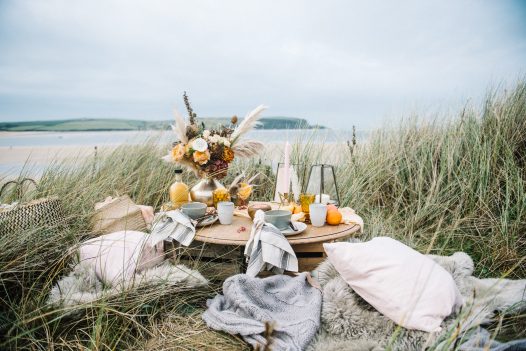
(336, 63)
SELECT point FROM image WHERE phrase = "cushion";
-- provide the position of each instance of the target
(116, 257)
(401, 283)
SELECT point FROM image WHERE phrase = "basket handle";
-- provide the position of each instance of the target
(19, 186)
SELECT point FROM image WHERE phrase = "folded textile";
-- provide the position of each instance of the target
(349, 216)
(481, 340)
(147, 213)
(172, 225)
(116, 214)
(267, 248)
(291, 304)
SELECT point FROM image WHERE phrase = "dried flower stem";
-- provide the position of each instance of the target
(191, 113)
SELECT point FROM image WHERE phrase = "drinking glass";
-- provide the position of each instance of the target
(219, 195)
(305, 201)
(225, 211)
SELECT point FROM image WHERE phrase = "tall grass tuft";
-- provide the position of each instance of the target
(440, 186)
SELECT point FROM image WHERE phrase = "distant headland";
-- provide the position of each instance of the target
(110, 124)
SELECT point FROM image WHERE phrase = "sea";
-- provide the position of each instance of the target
(108, 138)
(37, 144)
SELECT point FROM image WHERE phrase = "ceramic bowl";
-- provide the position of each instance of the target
(194, 210)
(279, 218)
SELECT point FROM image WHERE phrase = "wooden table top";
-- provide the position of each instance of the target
(233, 235)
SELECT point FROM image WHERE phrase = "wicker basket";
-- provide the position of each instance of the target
(117, 214)
(42, 213)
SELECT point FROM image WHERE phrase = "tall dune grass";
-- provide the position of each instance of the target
(439, 186)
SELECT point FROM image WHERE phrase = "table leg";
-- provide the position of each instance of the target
(241, 263)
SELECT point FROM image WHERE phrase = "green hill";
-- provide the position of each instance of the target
(103, 124)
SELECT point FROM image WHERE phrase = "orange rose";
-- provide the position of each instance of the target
(228, 154)
(178, 152)
(201, 157)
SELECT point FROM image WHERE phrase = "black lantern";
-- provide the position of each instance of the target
(322, 183)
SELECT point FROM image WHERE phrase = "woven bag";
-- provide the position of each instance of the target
(41, 213)
(116, 214)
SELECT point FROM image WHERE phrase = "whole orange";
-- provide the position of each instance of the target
(334, 217)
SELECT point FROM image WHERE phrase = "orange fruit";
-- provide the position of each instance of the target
(331, 207)
(297, 209)
(334, 217)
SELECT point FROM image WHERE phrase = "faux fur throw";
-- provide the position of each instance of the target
(82, 285)
(350, 323)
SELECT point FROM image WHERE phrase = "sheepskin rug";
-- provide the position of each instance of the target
(82, 285)
(350, 323)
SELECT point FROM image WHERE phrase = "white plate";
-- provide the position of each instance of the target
(209, 221)
(299, 225)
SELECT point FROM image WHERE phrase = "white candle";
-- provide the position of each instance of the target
(324, 199)
(286, 168)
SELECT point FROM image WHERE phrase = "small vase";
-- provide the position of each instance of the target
(203, 191)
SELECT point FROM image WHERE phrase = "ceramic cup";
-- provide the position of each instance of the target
(194, 210)
(279, 218)
(318, 213)
(225, 211)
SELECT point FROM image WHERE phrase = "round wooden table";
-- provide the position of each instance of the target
(308, 245)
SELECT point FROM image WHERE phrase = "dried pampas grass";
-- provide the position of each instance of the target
(180, 127)
(249, 122)
(248, 148)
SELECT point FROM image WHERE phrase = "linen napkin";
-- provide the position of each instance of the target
(349, 216)
(172, 225)
(267, 248)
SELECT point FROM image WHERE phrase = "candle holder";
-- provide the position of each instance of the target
(300, 170)
(322, 182)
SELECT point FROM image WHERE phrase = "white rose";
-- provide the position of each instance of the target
(227, 142)
(200, 144)
(206, 134)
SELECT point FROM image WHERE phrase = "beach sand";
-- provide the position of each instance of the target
(33, 160)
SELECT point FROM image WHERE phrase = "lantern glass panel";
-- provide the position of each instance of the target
(322, 180)
(297, 179)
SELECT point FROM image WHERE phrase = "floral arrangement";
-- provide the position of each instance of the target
(208, 152)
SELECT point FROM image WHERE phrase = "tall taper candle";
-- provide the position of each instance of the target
(286, 167)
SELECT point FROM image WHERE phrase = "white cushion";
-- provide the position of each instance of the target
(401, 283)
(116, 257)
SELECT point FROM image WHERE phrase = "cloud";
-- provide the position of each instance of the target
(329, 61)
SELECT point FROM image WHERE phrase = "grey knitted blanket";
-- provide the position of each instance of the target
(291, 304)
(482, 340)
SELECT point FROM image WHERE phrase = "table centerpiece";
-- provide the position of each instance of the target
(209, 152)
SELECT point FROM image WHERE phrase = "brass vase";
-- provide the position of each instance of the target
(204, 189)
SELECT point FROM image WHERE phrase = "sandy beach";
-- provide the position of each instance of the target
(33, 160)
(39, 155)
(34, 151)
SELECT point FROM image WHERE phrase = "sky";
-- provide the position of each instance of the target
(337, 63)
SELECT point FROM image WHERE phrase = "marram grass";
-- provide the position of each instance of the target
(440, 186)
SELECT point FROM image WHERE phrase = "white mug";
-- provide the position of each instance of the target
(317, 213)
(225, 211)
